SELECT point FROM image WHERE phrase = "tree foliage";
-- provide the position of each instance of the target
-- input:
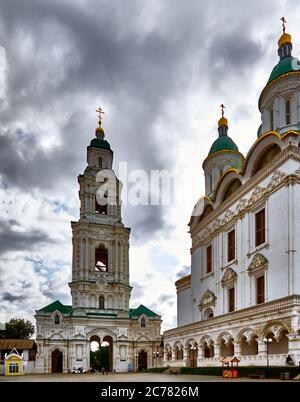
(17, 328)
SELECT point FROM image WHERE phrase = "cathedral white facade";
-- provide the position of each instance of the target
(100, 285)
(242, 297)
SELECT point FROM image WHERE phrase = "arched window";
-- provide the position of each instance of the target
(101, 259)
(100, 162)
(288, 112)
(232, 188)
(143, 322)
(271, 119)
(208, 313)
(266, 157)
(56, 319)
(101, 302)
(102, 208)
(207, 210)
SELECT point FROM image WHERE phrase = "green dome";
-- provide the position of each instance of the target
(98, 143)
(283, 67)
(223, 143)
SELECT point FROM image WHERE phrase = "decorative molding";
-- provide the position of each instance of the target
(258, 262)
(243, 206)
(289, 152)
(229, 276)
(278, 86)
(208, 299)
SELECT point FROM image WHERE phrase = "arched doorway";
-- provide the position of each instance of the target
(142, 360)
(57, 361)
(101, 353)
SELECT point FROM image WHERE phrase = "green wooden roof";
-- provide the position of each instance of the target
(286, 65)
(137, 312)
(57, 305)
(223, 143)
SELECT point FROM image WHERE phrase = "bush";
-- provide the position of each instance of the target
(273, 372)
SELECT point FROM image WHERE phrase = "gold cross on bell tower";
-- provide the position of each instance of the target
(100, 113)
(222, 109)
(283, 23)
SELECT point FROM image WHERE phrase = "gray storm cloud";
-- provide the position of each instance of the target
(139, 61)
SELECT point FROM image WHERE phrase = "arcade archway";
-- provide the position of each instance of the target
(101, 354)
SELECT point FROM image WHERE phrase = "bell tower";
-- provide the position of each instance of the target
(100, 268)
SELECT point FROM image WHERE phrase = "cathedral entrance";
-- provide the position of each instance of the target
(101, 354)
(57, 361)
(142, 360)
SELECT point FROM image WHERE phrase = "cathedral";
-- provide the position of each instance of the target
(242, 297)
(100, 286)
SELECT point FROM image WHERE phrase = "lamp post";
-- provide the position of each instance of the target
(267, 342)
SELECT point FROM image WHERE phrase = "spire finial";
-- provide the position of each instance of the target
(99, 130)
(285, 42)
(100, 113)
(284, 21)
(222, 109)
(223, 122)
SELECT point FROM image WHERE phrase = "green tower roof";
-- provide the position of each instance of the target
(286, 65)
(99, 143)
(136, 312)
(223, 143)
(57, 305)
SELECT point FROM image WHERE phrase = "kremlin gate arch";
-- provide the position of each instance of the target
(101, 357)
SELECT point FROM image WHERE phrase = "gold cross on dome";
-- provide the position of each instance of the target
(283, 23)
(222, 108)
(100, 113)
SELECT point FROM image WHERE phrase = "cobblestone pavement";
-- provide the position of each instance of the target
(124, 377)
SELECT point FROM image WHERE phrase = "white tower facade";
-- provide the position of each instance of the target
(100, 286)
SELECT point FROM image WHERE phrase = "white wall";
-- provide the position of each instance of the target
(282, 277)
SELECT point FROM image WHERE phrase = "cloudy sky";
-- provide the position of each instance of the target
(160, 69)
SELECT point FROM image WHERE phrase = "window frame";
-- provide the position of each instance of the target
(231, 292)
(288, 113)
(261, 230)
(209, 261)
(13, 367)
(101, 302)
(263, 291)
(231, 248)
(272, 119)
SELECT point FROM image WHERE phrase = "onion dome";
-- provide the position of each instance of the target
(99, 141)
(223, 143)
(287, 63)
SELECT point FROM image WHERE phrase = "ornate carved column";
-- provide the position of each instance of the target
(237, 348)
(261, 347)
(186, 356)
(217, 353)
(294, 346)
